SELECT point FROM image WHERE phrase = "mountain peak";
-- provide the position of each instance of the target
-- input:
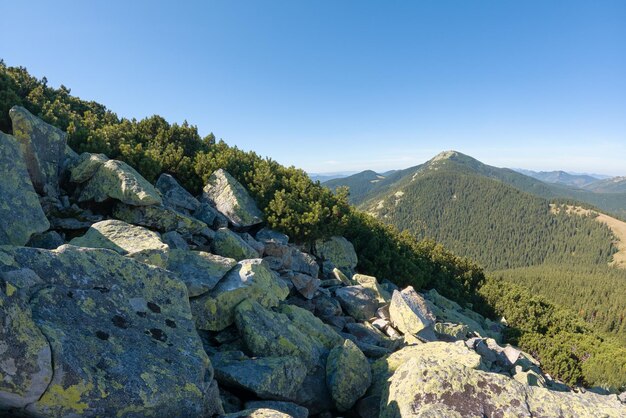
(445, 155)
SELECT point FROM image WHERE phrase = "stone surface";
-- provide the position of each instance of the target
(25, 355)
(276, 378)
(200, 271)
(175, 240)
(409, 312)
(174, 195)
(370, 282)
(451, 331)
(312, 326)
(160, 218)
(21, 214)
(85, 166)
(266, 235)
(117, 180)
(48, 240)
(250, 280)
(43, 148)
(348, 375)
(125, 358)
(210, 216)
(258, 413)
(231, 199)
(289, 408)
(268, 333)
(120, 237)
(336, 252)
(358, 302)
(228, 244)
(305, 284)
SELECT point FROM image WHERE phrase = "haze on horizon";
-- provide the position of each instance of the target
(347, 86)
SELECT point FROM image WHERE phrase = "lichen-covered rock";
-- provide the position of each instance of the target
(276, 378)
(117, 180)
(231, 199)
(258, 413)
(200, 271)
(85, 166)
(175, 240)
(451, 331)
(311, 325)
(268, 333)
(43, 147)
(336, 252)
(135, 351)
(289, 408)
(348, 375)
(25, 356)
(370, 282)
(210, 216)
(358, 302)
(160, 218)
(228, 244)
(174, 195)
(48, 240)
(305, 284)
(120, 237)
(267, 235)
(248, 280)
(409, 312)
(21, 214)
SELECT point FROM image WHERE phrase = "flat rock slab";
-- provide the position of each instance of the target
(21, 214)
(43, 146)
(231, 199)
(117, 180)
(121, 237)
(136, 352)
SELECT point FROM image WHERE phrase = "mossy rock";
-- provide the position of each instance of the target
(248, 280)
(175, 195)
(228, 244)
(409, 312)
(117, 180)
(199, 270)
(312, 325)
(160, 218)
(348, 375)
(336, 252)
(370, 282)
(121, 237)
(21, 214)
(43, 147)
(85, 166)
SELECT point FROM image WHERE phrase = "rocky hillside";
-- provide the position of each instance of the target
(124, 298)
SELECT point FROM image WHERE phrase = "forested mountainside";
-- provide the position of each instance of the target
(560, 177)
(306, 211)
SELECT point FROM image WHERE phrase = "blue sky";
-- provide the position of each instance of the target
(348, 85)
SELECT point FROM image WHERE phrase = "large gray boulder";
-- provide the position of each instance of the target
(121, 237)
(336, 252)
(228, 244)
(200, 271)
(231, 199)
(21, 214)
(359, 302)
(175, 195)
(43, 147)
(250, 280)
(115, 328)
(160, 218)
(409, 312)
(117, 180)
(348, 375)
(276, 378)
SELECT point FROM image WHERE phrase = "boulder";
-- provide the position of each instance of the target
(338, 275)
(276, 378)
(450, 331)
(249, 280)
(312, 326)
(268, 333)
(327, 307)
(348, 375)
(358, 302)
(258, 246)
(200, 271)
(266, 235)
(117, 180)
(125, 358)
(314, 394)
(289, 408)
(367, 333)
(25, 355)
(228, 244)
(370, 282)
(409, 312)
(43, 147)
(174, 195)
(85, 166)
(258, 413)
(336, 252)
(231, 199)
(160, 218)
(210, 216)
(120, 237)
(21, 214)
(174, 240)
(48, 240)
(302, 262)
(305, 284)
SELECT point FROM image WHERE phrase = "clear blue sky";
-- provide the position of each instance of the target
(349, 85)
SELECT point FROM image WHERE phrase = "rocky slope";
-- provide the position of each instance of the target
(123, 298)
